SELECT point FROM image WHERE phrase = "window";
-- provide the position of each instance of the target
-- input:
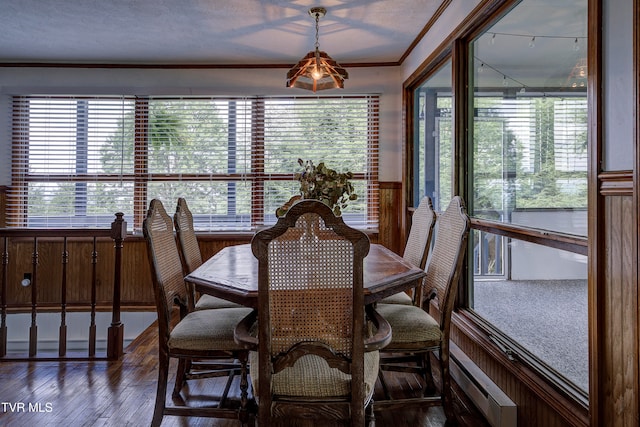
(433, 139)
(527, 183)
(522, 153)
(78, 160)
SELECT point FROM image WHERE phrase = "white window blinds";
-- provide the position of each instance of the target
(76, 161)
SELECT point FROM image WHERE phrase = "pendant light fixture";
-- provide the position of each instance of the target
(317, 70)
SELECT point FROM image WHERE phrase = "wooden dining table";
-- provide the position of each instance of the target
(232, 274)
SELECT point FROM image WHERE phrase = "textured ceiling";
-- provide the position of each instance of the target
(207, 31)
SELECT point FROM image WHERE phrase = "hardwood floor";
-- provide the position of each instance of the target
(122, 393)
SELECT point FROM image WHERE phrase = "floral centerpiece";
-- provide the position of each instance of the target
(321, 183)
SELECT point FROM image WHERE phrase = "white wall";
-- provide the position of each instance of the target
(564, 221)
(77, 330)
(381, 80)
(535, 262)
(446, 24)
(618, 94)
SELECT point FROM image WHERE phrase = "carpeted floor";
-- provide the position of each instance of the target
(548, 318)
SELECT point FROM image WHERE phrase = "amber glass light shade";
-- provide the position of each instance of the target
(317, 70)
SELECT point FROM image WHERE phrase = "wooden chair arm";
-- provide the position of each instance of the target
(242, 332)
(382, 337)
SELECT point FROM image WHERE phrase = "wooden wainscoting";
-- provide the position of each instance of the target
(615, 333)
(38, 264)
(3, 205)
(136, 287)
(390, 231)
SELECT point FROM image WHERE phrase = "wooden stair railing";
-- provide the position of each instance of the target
(115, 333)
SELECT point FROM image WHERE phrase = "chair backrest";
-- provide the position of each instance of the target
(187, 240)
(310, 290)
(422, 222)
(166, 268)
(446, 259)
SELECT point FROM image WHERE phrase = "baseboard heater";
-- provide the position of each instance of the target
(493, 403)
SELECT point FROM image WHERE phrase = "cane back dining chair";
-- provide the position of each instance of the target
(416, 333)
(191, 256)
(315, 358)
(191, 259)
(416, 250)
(203, 334)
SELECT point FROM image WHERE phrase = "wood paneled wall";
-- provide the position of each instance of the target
(615, 330)
(390, 229)
(3, 206)
(137, 289)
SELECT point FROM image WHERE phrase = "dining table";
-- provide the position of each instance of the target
(232, 274)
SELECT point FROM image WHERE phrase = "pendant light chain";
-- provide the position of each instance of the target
(317, 30)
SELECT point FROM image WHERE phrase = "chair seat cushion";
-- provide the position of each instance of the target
(399, 298)
(207, 302)
(311, 377)
(207, 330)
(411, 326)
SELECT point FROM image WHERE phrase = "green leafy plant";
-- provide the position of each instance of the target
(321, 183)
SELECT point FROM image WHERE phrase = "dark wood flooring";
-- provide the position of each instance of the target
(122, 393)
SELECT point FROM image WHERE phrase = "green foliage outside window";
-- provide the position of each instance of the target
(538, 161)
